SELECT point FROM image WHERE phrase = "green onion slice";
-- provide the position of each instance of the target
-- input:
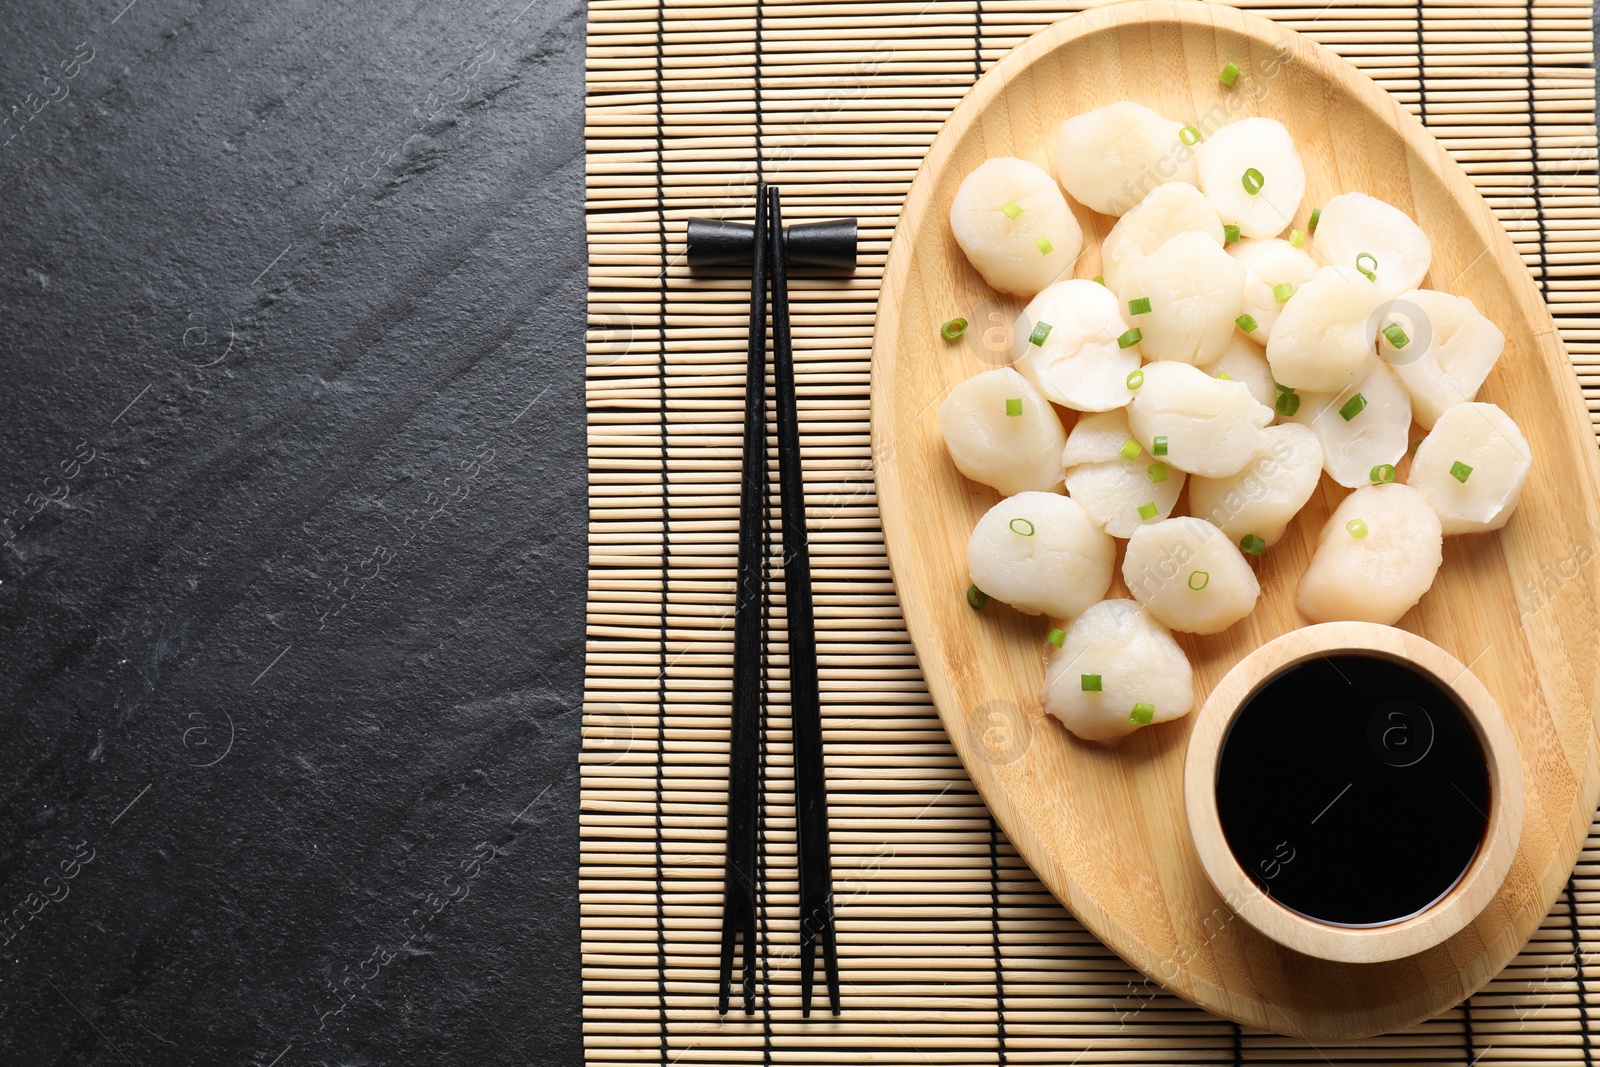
(1129, 449)
(953, 329)
(1040, 332)
(1044, 246)
(1189, 135)
(1357, 528)
(1288, 403)
(1139, 306)
(1158, 447)
(1148, 510)
(1245, 323)
(1013, 406)
(1251, 545)
(1055, 636)
(1383, 472)
(1012, 209)
(1282, 291)
(1135, 379)
(1129, 339)
(1229, 74)
(1316, 217)
(1224, 375)
(1143, 713)
(1099, 279)
(1090, 682)
(1353, 407)
(976, 598)
(1297, 239)
(1396, 335)
(1230, 234)
(1460, 472)
(1198, 580)
(1253, 181)
(1372, 271)
(1157, 472)
(1022, 526)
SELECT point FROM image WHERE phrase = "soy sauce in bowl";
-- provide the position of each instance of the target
(1353, 790)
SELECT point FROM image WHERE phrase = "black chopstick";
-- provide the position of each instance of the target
(805, 703)
(738, 900)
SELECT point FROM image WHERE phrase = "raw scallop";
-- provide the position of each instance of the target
(1131, 658)
(1261, 145)
(1355, 224)
(1111, 487)
(1195, 290)
(1269, 262)
(1078, 363)
(1270, 491)
(1007, 251)
(1189, 575)
(1040, 553)
(1448, 349)
(1013, 453)
(1323, 339)
(1245, 361)
(1110, 158)
(1379, 433)
(1211, 426)
(1381, 574)
(1170, 209)
(1484, 438)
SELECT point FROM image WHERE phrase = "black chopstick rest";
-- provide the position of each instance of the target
(829, 243)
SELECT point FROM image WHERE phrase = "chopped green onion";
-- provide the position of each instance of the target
(1202, 577)
(1396, 335)
(1288, 404)
(953, 329)
(1230, 234)
(1251, 545)
(1016, 529)
(1129, 449)
(1055, 637)
(1090, 682)
(1158, 447)
(1139, 306)
(1253, 181)
(1297, 239)
(1013, 406)
(1370, 272)
(1142, 713)
(1316, 217)
(1460, 472)
(1383, 472)
(1224, 375)
(1044, 246)
(1099, 279)
(1189, 135)
(1230, 74)
(1282, 291)
(1245, 323)
(1157, 472)
(1129, 339)
(976, 597)
(1148, 511)
(1040, 332)
(1012, 209)
(1353, 407)
(1135, 379)
(1357, 528)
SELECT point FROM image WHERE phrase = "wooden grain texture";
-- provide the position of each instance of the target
(1481, 881)
(1102, 827)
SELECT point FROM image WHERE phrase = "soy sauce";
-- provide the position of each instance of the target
(1353, 790)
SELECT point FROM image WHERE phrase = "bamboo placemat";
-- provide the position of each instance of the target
(950, 951)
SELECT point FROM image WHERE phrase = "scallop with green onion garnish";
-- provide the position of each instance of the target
(1441, 347)
(1355, 225)
(1187, 294)
(1270, 264)
(1376, 556)
(1011, 220)
(1001, 432)
(1262, 498)
(1073, 344)
(1471, 468)
(1117, 669)
(1245, 361)
(1359, 428)
(1190, 575)
(1113, 477)
(1323, 338)
(1041, 553)
(1252, 172)
(1170, 209)
(1109, 158)
(1195, 422)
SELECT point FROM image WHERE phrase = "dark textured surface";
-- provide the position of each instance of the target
(291, 466)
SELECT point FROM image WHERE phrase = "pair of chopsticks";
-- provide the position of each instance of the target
(810, 788)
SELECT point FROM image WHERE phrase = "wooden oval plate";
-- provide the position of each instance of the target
(1103, 827)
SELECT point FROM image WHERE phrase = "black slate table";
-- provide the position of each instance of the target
(292, 501)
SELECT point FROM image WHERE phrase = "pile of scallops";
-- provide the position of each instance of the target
(1227, 352)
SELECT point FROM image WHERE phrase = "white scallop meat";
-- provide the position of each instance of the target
(1268, 263)
(1110, 158)
(1245, 361)
(1020, 254)
(1189, 575)
(1209, 426)
(1013, 453)
(1194, 289)
(1379, 570)
(1354, 225)
(1378, 433)
(1264, 497)
(1110, 486)
(1078, 362)
(1447, 350)
(1040, 553)
(1258, 145)
(1170, 209)
(1323, 339)
(1483, 438)
(1114, 657)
